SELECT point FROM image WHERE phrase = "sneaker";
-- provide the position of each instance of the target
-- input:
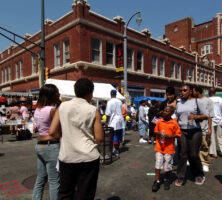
(150, 141)
(156, 186)
(188, 163)
(154, 142)
(142, 141)
(179, 182)
(205, 168)
(166, 184)
(199, 180)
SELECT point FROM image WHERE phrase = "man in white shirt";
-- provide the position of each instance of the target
(216, 123)
(115, 120)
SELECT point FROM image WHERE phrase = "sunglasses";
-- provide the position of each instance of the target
(184, 90)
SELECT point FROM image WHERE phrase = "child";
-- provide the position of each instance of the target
(166, 131)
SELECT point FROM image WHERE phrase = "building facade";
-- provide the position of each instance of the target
(83, 43)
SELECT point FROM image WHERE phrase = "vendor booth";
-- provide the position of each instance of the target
(101, 90)
(137, 100)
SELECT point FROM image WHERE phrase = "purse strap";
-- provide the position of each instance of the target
(198, 110)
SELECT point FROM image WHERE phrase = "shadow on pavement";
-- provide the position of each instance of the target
(219, 178)
(2, 154)
(114, 198)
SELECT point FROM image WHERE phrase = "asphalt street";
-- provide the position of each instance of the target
(125, 178)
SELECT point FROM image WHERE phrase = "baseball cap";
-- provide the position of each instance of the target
(113, 92)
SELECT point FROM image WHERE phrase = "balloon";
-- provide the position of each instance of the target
(104, 118)
(127, 118)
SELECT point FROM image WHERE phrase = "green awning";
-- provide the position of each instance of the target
(218, 94)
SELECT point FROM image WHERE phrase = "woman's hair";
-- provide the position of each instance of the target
(170, 90)
(47, 95)
(83, 87)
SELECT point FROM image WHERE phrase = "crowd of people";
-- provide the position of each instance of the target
(185, 130)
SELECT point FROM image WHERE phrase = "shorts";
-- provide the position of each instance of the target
(142, 129)
(117, 136)
(164, 161)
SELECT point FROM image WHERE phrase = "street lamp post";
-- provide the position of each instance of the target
(42, 77)
(138, 21)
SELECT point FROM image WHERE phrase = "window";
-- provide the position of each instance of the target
(187, 74)
(16, 71)
(129, 58)
(172, 70)
(56, 55)
(205, 78)
(9, 73)
(66, 51)
(139, 61)
(21, 68)
(96, 49)
(178, 71)
(2, 75)
(34, 64)
(201, 77)
(192, 74)
(109, 53)
(162, 67)
(154, 65)
(207, 49)
(209, 78)
(6, 75)
(175, 29)
(198, 76)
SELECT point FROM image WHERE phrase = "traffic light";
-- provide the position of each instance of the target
(47, 71)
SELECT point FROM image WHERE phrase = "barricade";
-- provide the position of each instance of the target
(106, 147)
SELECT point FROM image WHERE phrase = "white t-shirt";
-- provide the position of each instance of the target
(217, 104)
(114, 109)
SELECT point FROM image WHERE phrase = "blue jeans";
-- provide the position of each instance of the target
(47, 156)
(142, 129)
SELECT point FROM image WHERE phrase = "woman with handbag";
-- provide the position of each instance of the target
(189, 113)
(47, 148)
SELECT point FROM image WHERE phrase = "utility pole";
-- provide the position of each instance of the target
(42, 71)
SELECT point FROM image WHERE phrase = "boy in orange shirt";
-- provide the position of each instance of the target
(166, 131)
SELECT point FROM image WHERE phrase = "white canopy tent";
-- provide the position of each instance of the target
(101, 90)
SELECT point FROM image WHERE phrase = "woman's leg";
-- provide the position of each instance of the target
(183, 156)
(53, 175)
(41, 175)
(194, 143)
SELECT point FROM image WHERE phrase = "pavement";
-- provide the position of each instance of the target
(123, 179)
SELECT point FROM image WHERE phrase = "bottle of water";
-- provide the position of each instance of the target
(162, 137)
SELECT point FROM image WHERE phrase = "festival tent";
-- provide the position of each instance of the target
(66, 89)
(136, 100)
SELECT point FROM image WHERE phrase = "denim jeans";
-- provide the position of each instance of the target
(47, 156)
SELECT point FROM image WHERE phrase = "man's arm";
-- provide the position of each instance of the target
(98, 130)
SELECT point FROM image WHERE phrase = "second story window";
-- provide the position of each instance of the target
(139, 61)
(172, 70)
(34, 64)
(56, 55)
(129, 58)
(2, 75)
(178, 71)
(9, 73)
(16, 71)
(96, 50)
(66, 53)
(109, 53)
(162, 67)
(207, 49)
(6, 75)
(154, 65)
(21, 68)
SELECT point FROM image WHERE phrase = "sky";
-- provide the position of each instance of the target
(24, 16)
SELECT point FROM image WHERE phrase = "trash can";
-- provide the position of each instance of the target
(106, 147)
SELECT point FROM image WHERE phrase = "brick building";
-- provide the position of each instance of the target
(203, 39)
(82, 43)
